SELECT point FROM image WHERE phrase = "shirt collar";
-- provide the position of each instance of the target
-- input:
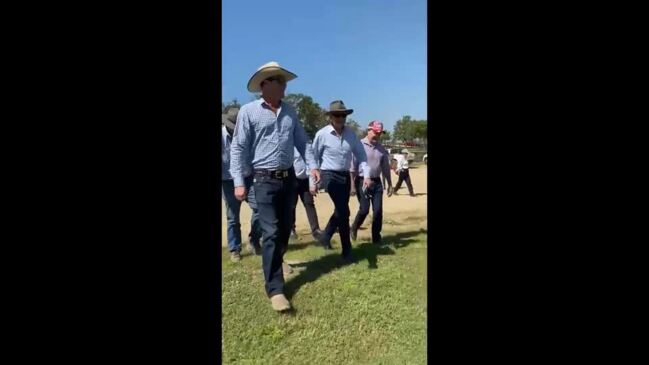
(261, 101)
(330, 129)
(366, 141)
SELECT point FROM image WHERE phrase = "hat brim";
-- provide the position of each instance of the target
(343, 111)
(254, 84)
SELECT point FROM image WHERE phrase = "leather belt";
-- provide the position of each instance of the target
(277, 174)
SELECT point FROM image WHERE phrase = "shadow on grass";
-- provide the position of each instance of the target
(403, 239)
(323, 265)
(315, 269)
(300, 246)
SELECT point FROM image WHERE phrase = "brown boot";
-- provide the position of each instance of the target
(280, 303)
(235, 256)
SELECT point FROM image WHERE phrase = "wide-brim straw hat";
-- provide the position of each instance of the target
(265, 71)
(338, 107)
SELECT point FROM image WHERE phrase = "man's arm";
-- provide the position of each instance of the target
(361, 157)
(239, 148)
(385, 167)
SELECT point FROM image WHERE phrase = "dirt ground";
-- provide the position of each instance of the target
(401, 212)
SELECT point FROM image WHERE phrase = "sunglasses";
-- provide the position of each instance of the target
(280, 80)
(339, 115)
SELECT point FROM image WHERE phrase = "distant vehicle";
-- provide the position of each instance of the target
(425, 159)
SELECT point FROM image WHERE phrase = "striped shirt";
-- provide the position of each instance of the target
(332, 152)
(301, 170)
(263, 140)
(378, 159)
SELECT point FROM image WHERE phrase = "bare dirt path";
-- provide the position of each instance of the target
(401, 213)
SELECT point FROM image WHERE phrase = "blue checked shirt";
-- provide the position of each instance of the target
(264, 141)
(299, 164)
(335, 153)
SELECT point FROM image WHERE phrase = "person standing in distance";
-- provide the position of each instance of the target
(333, 147)
(266, 133)
(233, 205)
(403, 172)
(378, 159)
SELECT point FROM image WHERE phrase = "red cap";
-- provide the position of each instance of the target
(376, 126)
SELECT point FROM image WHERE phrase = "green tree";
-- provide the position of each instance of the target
(233, 103)
(353, 125)
(310, 113)
(407, 129)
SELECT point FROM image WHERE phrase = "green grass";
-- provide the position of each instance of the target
(371, 312)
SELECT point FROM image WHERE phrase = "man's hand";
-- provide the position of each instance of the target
(367, 182)
(316, 175)
(390, 190)
(352, 191)
(313, 190)
(240, 192)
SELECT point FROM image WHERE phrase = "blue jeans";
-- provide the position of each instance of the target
(233, 207)
(376, 199)
(338, 186)
(276, 203)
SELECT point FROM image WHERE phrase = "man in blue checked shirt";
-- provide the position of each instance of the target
(233, 205)
(333, 147)
(266, 133)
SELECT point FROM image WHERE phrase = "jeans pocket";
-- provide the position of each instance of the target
(266, 190)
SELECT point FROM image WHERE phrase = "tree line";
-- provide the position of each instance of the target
(313, 118)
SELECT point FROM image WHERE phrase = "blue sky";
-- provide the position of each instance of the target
(369, 53)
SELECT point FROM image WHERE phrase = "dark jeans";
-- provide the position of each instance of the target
(404, 175)
(338, 185)
(302, 190)
(233, 207)
(376, 198)
(275, 199)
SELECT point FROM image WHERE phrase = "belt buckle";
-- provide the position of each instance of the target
(278, 174)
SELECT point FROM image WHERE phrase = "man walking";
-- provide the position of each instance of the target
(233, 205)
(378, 160)
(333, 147)
(304, 183)
(404, 174)
(267, 131)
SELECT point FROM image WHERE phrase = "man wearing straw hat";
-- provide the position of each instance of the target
(378, 159)
(403, 172)
(233, 205)
(333, 147)
(267, 131)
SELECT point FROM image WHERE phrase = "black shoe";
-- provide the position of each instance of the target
(348, 258)
(316, 234)
(324, 242)
(353, 232)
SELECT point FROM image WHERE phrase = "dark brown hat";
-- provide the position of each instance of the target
(338, 107)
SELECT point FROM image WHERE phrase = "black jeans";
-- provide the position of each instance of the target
(404, 175)
(338, 185)
(302, 190)
(376, 198)
(275, 199)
